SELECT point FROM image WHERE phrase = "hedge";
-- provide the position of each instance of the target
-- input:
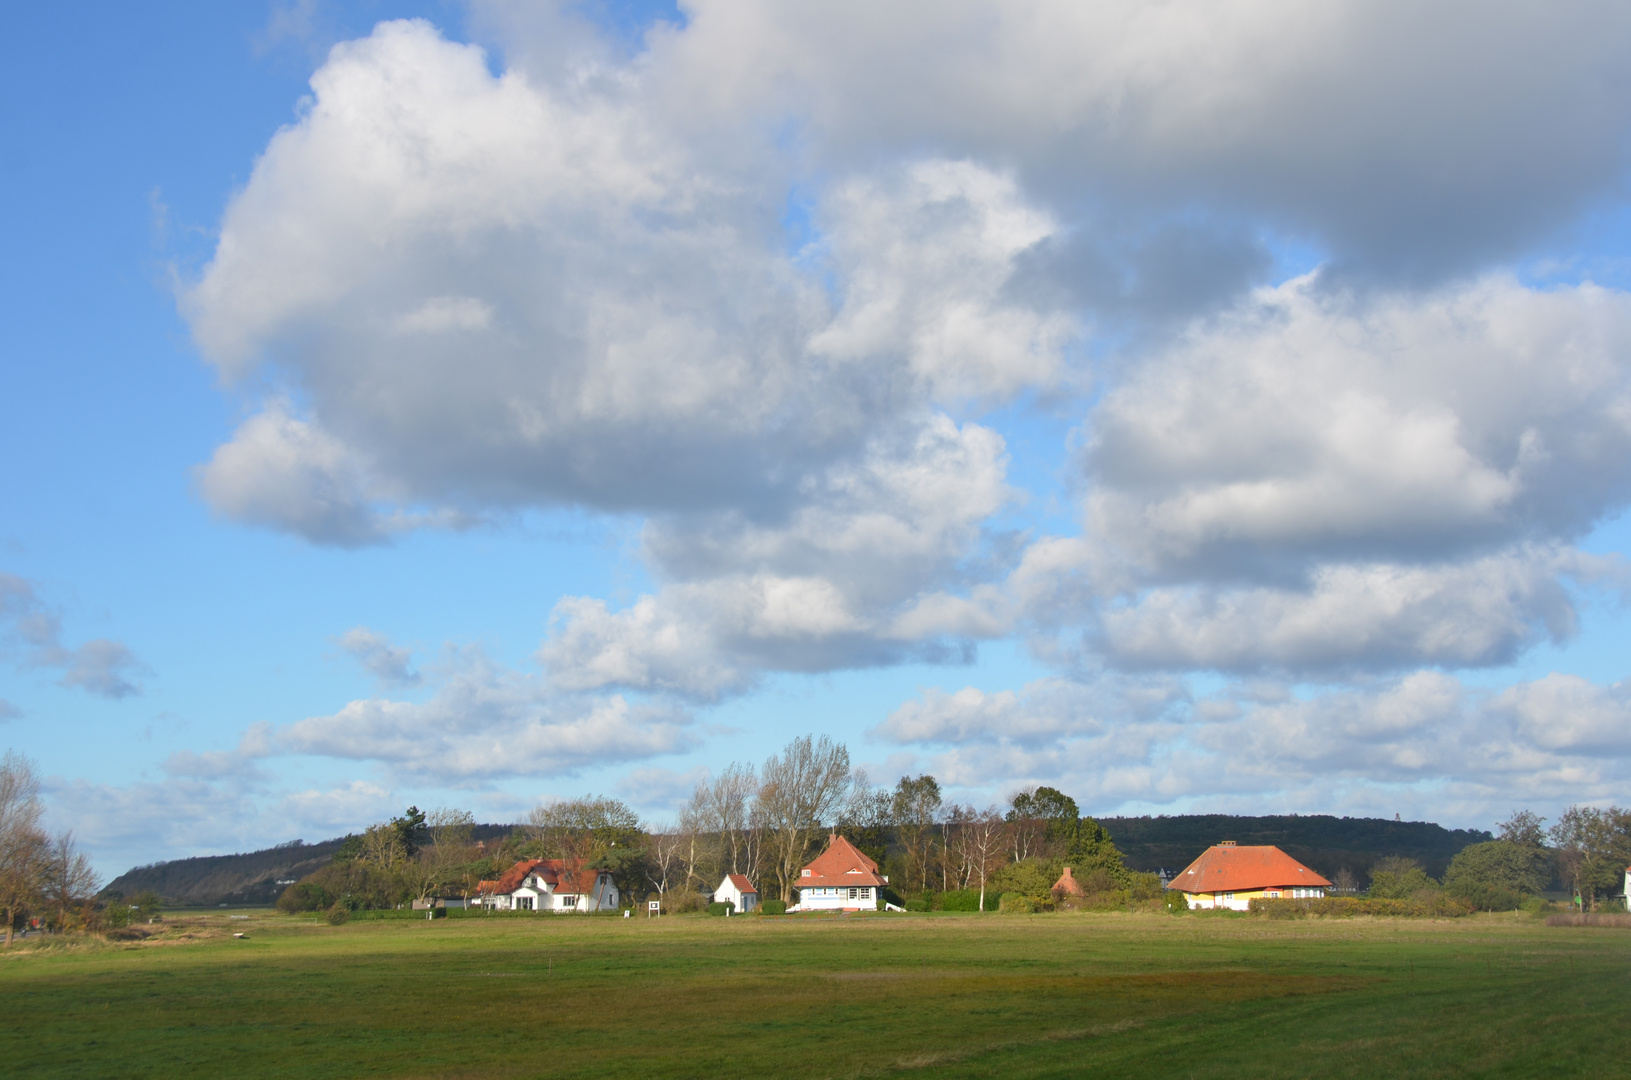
(1346, 907)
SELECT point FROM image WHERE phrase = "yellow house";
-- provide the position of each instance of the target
(1230, 876)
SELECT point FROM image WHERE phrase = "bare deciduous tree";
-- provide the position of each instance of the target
(450, 835)
(804, 787)
(68, 883)
(981, 840)
(665, 862)
(24, 846)
(917, 810)
(727, 807)
(582, 830)
(1027, 833)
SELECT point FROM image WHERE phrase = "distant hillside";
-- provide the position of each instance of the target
(249, 878)
(1324, 843)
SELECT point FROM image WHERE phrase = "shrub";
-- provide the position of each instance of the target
(1486, 896)
(774, 907)
(1536, 905)
(960, 900)
(1016, 904)
(306, 895)
(720, 907)
(917, 903)
(338, 915)
(1396, 878)
(1175, 901)
(1146, 887)
(680, 901)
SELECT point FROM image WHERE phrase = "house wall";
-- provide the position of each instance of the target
(836, 898)
(1240, 900)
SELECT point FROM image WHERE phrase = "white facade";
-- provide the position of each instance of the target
(836, 897)
(538, 891)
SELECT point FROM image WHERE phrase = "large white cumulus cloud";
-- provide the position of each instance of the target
(779, 285)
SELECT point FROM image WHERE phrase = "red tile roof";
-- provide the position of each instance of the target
(1230, 868)
(1068, 885)
(743, 885)
(841, 864)
(567, 878)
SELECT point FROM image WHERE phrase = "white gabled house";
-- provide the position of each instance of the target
(549, 885)
(737, 891)
(840, 879)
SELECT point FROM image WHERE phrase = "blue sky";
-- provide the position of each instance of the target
(1014, 398)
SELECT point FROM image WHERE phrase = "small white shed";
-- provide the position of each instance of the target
(737, 891)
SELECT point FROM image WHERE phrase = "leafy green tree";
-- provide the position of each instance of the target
(1088, 848)
(1032, 878)
(1498, 874)
(1397, 878)
(1523, 827)
(351, 848)
(1593, 847)
(411, 831)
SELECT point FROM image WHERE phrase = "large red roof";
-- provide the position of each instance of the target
(1231, 868)
(567, 877)
(841, 864)
(743, 885)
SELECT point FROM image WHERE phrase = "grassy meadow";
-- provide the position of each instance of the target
(1063, 995)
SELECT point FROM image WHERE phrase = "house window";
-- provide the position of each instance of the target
(523, 903)
(866, 892)
(852, 894)
(569, 901)
(806, 873)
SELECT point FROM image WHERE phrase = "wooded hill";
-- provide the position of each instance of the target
(248, 878)
(1323, 843)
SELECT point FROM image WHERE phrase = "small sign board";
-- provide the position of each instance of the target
(653, 907)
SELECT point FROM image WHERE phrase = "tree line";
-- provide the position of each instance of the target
(1588, 849)
(764, 822)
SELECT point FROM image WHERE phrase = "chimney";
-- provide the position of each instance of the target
(1226, 843)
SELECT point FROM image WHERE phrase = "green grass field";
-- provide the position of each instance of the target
(942, 995)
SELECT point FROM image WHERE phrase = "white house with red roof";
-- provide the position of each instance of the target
(737, 891)
(1230, 876)
(840, 879)
(549, 885)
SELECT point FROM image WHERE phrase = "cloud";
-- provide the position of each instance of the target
(102, 667)
(836, 584)
(1476, 614)
(8, 711)
(1425, 738)
(487, 292)
(1279, 111)
(391, 665)
(337, 809)
(1309, 424)
(662, 790)
(484, 722)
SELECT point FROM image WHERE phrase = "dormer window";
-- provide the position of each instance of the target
(806, 873)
